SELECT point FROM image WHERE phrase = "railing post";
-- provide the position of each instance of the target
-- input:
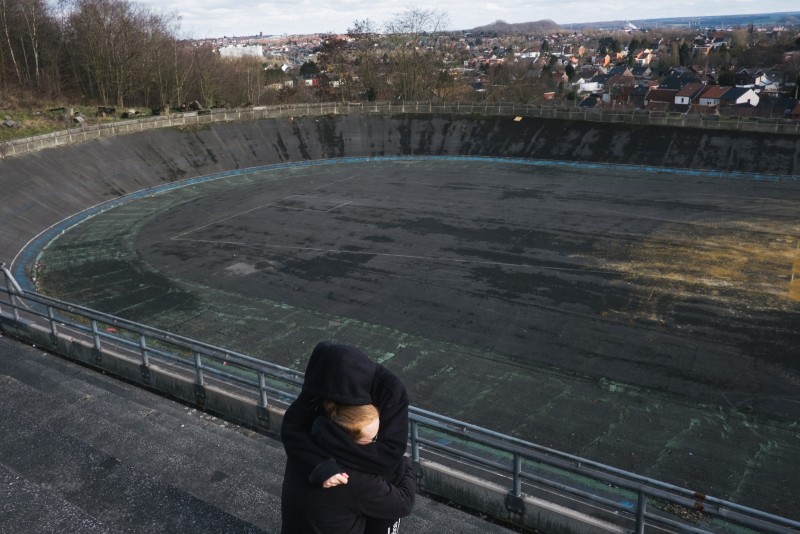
(12, 288)
(414, 441)
(96, 342)
(51, 315)
(641, 508)
(143, 350)
(262, 388)
(145, 367)
(198, 366)
(517, 489)
(514, 501)
(95, 335)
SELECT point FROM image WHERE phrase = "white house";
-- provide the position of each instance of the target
(234, 51)
(739, 95)
(712, 94)
(688, 93)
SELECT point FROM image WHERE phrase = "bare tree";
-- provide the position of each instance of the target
(333, 60)
(7, 21)
(111, 46)
(205, 82)
(414, 55)
(367, 64)
(33, 12)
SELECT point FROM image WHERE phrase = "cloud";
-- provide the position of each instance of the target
(214, 18)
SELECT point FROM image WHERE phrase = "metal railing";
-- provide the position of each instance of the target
(194, 118)
(523, 467)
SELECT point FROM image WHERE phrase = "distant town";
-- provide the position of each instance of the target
(107, 55)
(750, 70)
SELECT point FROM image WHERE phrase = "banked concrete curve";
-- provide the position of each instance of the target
(44, 187)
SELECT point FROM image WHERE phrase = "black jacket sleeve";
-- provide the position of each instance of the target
(379, 499)
(301, 448)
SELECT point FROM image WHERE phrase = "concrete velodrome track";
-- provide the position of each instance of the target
(645, 315)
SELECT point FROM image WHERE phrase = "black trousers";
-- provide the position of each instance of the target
(382, 526)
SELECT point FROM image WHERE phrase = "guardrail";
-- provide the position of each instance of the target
(194, 118)
(523, 468)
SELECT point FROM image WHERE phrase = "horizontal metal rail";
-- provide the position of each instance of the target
(515, 462)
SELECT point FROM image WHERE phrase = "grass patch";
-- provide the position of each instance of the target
(33, 117)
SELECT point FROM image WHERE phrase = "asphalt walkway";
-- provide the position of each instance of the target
(81, 452)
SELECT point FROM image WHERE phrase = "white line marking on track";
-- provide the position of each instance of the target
(388, 255)
(212, 223)
(339, 206)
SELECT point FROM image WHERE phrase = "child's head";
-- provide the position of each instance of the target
(361, 422)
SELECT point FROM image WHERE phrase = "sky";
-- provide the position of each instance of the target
(217, 18)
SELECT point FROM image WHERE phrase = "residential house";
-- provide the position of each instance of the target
(749, 77)
(704, 75)
(617, 78)
(237, 51)
(739, 95)
(590, 101)
(676, 82)
(637, 94)
(641, 71)
(601, 60)
(701, 50)
(687, 93)
(719, 41)
(643, 58)
(659, 99)
(529, 54)
(588, 85)
(711, 95)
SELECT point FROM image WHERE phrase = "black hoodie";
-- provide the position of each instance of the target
(346, 375)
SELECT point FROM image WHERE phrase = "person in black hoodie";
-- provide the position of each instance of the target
(344, 509)
(345, 375)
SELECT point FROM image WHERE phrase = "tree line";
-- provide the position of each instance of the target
(114, 53)
(124, 54)
(118, 53)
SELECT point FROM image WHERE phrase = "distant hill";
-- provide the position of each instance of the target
(504, 28)
(789, 19)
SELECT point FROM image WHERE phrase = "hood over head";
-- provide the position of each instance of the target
(340, 373)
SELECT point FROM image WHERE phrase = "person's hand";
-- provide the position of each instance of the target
(336, 480)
